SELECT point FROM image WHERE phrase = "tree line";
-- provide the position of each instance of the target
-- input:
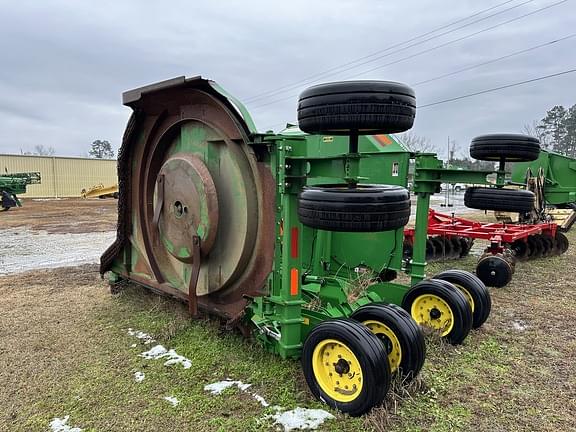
(100, 149)
(557, 130)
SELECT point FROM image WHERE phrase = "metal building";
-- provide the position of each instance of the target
(61, 176)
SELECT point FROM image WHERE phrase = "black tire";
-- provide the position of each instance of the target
(365, 208)
(363, 107)
(494, 270)
(370, 354)
(460, 310)
(507, 147)
(511, 200)
(473, 289)
(411, 352)
(115, 195)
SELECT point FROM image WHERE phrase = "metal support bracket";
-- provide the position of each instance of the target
(192, 298)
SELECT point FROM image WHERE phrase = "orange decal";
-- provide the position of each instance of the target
(384, 140)
(294, 282)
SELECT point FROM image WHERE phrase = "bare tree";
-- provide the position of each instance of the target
(417, 143)
(533, 130)
(40, 150)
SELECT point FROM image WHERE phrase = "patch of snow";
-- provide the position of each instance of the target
(24, 249)
(139, 376)
(218, 387)
(172, 400)
(59, 425)
(144, 337)
(155, 352)
(133, 346)
(46, 199)
(519, 325)
(301, 418)
(158, 352)
(260, 399)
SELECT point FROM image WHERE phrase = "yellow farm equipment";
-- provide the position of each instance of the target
(100, 191)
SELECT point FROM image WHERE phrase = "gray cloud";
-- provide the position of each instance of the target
(65, 64)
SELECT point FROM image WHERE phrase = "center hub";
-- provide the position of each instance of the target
(189, 208)
(435, 314)
(341, 367)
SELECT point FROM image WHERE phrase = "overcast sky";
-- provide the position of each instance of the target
(64, 64)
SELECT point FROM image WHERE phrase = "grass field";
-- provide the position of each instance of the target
(65, 350)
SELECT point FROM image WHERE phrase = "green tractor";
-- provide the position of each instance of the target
(295, 238)
(14, 184)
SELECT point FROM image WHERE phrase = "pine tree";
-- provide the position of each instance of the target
(101, 149)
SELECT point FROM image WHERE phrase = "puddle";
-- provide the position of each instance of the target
(23, 249)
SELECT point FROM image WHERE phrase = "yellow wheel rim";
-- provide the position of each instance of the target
(467, 295)
(432, 311)
(391, 342)
(337, 370)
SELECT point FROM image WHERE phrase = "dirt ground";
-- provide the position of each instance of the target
(65, 351)
(67, 215)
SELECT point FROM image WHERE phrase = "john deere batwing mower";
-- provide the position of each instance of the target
(552, 178)
(14, 184)
(295, 238)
